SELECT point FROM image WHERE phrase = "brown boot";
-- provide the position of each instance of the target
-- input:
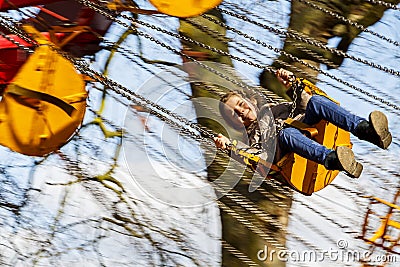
(342, 159)
(376, 130)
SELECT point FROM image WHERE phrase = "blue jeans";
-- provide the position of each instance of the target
(318, 108)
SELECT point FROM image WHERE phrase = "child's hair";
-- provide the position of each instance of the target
(222, 105)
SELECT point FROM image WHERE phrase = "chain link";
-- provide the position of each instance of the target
(250, 225)
(140, 100)
(209, 87)
(269, 95)
(329, 12)
(151, 38)
(294, 58)
(16, 29)
(16, 43)
(313, 54)
(332, 65)
(101, 10)
(292, 34)
(383, 3)
(82, 67)
(296, 86)
(130, 95)
(349, 22)
(238, 254)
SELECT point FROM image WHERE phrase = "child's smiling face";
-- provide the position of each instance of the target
(240, 111)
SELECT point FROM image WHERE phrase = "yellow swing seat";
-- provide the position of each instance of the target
(304, 175)
(184, 8)
(44, 105)
(307, 176)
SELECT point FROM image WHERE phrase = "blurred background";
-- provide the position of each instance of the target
(111, 196)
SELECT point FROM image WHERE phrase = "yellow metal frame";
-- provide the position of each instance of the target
(380, 237)
(73, 33)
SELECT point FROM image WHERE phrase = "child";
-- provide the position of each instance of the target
(240, 111)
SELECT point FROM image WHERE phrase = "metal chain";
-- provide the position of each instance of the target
(16, 43)
(383, 3)
(250, 225)
(304, 74)
(294, 58)
(126, 93)
(341, 226)
(278, 187)
(313, 54)
(292, 34)
(276, 201)
(332, 209)
(16, 30)
(248, 222)
(211, 32)
(132, 96)
(225, 41)
(208, 86)
(318, 231)
(349, 22)
(242, 217)
(238, 254)
(151, 38)
(296, 87)
(206, 134)
(242, 201)
(331, 64)
(90, 4)
(238, 198)
(131, 56)
(329, 12)
(111, 84)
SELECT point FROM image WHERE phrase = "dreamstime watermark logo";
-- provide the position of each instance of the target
(340, 253)
(165, 155)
